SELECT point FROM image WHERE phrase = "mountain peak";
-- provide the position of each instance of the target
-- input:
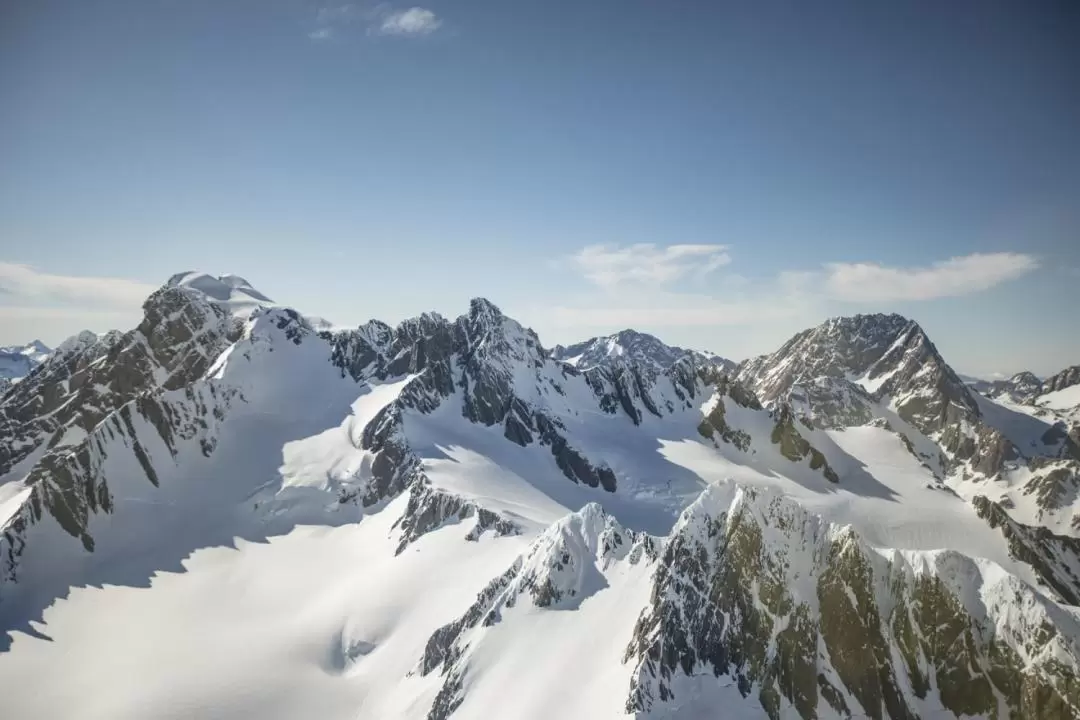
(634, 346)
(483, 309)
(232, 291)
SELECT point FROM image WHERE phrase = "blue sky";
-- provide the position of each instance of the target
(720, 174)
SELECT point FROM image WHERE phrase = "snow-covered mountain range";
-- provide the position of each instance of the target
(632, 346)
(233, 511)
(17, 361)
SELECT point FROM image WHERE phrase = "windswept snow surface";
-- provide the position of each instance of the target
(1066, 399)
(230, 291)
(320, 623)
(330, 459)
(884, 493)
(478, 463)
(248, 582)
(329, 622)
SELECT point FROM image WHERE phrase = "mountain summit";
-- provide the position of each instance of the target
(441, 519)
(632, 345)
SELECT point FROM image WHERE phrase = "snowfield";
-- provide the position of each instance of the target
(441, 520)
(320, 622)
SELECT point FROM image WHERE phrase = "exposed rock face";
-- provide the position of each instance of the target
(1023, 387)
(496, 366)
(795, 447)
(715, 425)
(623, 385)
(785, 435)
(1055, 483)
(985, 448)
(1066, 378)
(430, 509)
(69, 485)
(1055, 558)
(836, 373)
(561, 568)
(749, 589)
(100, 395)
(830, 403)
(890, 354)
(181, 334)
(837, 348)
(637, 347)
(806, 618)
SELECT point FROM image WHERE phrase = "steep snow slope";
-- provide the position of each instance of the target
(259, 517)
(321, 622)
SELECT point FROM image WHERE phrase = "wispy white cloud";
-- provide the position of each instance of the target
(25, 285)
(36, 304)
(413, 21)
(873, 282)
(609, 266)
(644, 285)
(379, 19)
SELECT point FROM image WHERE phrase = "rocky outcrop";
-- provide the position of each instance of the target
(889, 354)
(1054, 558)
(795, 447)
(715, 426)
(181, 334)
(986, 450)
(431, 508)
(572, 463)
(831, 403)
(849, 370)
(636, 347)
(1066, 378)
(561, 568)
(69, 486)
(802, 616)
(1054, 483)
(1023, 387)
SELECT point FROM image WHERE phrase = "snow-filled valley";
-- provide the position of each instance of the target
(232, 511)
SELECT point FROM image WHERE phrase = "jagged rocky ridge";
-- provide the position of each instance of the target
(849, 371)
(1025, 387)
(172, 383)
(430, 508)
(809, 620)
(753, 596)
(504, 377)
(560, 570)
(98, 395)
(637, 347)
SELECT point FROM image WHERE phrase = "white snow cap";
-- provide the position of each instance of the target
(232, 291)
